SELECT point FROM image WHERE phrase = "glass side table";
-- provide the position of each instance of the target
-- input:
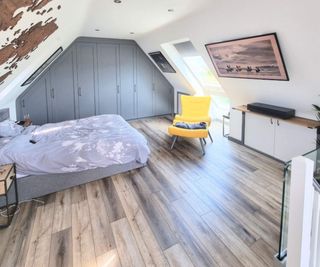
(225, 117)
(7, 180)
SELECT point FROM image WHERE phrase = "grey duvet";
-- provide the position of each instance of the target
(76, 145)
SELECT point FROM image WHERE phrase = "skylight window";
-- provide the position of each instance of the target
(203, 74)
(195, 70)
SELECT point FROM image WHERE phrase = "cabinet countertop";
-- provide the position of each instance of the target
(312, 124)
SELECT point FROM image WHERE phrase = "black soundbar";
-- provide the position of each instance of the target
(270, 110)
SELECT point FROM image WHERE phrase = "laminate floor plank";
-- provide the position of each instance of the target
(112, 203)
(159, 227)
(15, 246)
(109, 259)
(101, 229)
(181, 209)
(243, 253)
(218, 250)
(62, 218)
(61, 249)
(146, 240)
(128, 251)
(82, 237)
(39, 246)
(177, 257)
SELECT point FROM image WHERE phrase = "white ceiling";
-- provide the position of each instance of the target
(138, 16)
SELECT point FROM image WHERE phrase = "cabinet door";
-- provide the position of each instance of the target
(127, 81)
(293, 140)
(144, 85)
(107, 79)
(259, 133)
(34, 102)
(62, 88)
(163, 94)
(86, 79)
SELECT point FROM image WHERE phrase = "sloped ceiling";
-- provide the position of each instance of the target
(201, 21)
(297, 26)
(31, 30)
(21, 41)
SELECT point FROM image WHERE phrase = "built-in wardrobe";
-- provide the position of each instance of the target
(97, 76)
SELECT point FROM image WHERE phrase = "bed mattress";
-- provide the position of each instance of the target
(74, 146)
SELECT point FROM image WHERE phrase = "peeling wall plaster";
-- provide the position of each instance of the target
(19, 41)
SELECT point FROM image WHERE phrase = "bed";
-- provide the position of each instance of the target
(57, 156)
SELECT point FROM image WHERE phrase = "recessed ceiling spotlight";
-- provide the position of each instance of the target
(117, 1)
(170, 10)
(131, 32)
(97, 30)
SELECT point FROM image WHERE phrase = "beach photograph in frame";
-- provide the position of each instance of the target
(257, 57)
(162, 62)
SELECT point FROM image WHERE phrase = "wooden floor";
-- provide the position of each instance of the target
(180, 210)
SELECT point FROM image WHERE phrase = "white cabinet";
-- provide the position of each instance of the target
(259, 133)
(278, 138)
(293, 140)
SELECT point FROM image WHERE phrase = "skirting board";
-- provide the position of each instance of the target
(35, 186)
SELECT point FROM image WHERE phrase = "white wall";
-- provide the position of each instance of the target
(297, 26)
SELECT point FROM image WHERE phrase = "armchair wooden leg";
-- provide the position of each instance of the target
(174, 141)
(204, 140)
(210, 136)
(202, 147)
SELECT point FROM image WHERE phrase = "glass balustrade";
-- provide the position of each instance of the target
(315, 156)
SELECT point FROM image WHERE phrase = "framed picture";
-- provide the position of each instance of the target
(257, 57)
(45, 65)
(162, 62)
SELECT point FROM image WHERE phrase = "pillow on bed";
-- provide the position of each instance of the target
(10, 128)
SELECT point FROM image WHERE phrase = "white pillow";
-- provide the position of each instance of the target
(10, 128)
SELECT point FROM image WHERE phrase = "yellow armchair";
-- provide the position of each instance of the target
(194, 109)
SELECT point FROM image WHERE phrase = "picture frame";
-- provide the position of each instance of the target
(255, 57)
(44, 66)
(162, 62)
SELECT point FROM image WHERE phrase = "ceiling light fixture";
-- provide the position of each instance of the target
(131, 32)
(117, 1)
(170, 10)
(97, 30)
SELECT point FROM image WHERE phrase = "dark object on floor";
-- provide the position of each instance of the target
(192, 126)
(275, 111)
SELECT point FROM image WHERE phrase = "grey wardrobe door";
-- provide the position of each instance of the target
(86, 79)
(127, 81)
(107, 78)
(34, 102)
(144, 85)
(62, 88)
(163, 94)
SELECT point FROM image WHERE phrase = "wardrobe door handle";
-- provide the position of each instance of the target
(52, 92)
(271, 120)
(278, 122)
(23, 103)
(118, 89)
(79, 91)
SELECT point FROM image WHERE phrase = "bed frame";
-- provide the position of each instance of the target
(35, 186)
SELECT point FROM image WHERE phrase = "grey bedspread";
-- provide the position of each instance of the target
(76, 145)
